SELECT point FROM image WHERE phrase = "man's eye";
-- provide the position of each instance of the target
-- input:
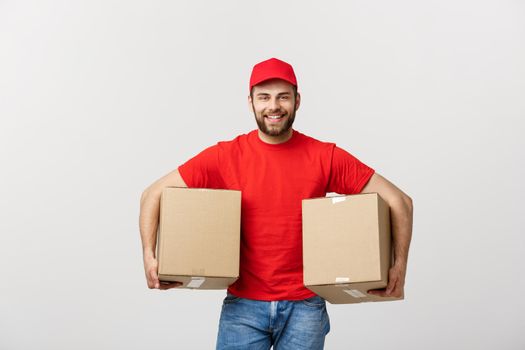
(263, 98)
(284, 97)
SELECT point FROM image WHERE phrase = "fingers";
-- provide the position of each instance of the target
(391, 285)
(396, 292)
(393, 289)
(377, 292)
(150, 269)
(153, 280)
(395, 283)
(169, 285)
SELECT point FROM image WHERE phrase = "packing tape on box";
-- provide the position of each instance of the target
(338, 199)
(342, 279)
(196, 282)
(355, 293)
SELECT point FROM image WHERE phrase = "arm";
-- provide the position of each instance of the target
(148, 223)
(401, 212)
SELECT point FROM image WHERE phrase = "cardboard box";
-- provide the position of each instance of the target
(199, 237)
(347, 247)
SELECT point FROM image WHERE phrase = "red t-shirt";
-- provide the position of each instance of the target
(274, 179)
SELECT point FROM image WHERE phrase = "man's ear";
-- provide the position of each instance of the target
(297, 101)
(250, 107)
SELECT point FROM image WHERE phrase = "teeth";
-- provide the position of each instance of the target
(274, 116)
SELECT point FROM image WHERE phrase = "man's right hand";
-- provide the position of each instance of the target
(150, 268)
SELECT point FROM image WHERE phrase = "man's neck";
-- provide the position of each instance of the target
(275, 139)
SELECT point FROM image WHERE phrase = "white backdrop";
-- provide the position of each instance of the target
(98, 99)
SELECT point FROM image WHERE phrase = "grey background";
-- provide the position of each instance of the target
(98, 99)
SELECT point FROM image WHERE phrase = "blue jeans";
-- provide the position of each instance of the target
(254, 324)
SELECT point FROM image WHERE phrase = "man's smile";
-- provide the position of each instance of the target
(274, 118)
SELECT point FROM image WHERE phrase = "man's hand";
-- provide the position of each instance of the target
(396, 283)
(148, 224)
(150, 268)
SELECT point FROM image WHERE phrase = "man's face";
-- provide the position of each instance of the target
(274, 105)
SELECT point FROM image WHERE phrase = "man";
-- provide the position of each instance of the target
(276, 167)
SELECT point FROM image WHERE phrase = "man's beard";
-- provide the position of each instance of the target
(261, 123)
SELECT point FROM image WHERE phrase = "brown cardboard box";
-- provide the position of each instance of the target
(346, 247)
(199, 237)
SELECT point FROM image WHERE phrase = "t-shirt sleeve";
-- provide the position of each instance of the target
(202, 171)
(348, 175)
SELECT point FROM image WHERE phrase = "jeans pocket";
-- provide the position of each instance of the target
(315, 301)
(230, 299)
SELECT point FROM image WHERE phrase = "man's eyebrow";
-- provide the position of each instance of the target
(279, 94)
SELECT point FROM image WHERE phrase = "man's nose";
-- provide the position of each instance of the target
(274, 104)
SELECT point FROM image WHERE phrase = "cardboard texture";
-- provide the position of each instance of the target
(199, 237)
(347, 247)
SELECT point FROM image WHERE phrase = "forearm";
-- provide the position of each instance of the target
(150, 208)
(401, 213)
(149, 221)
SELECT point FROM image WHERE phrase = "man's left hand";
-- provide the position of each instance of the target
(396, 283)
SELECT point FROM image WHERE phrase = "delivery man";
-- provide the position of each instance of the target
(275, 167)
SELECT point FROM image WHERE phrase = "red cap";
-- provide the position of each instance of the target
(271, 69)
